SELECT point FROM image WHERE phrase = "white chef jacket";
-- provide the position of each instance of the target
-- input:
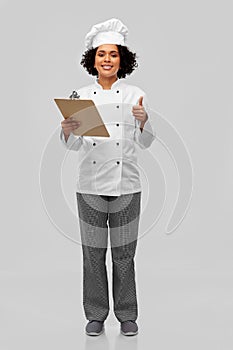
(108, 165)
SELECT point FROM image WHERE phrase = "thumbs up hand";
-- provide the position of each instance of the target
(139, 111)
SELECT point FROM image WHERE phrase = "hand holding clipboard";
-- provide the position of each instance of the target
(81, 118)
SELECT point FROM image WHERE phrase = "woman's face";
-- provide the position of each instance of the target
(107, 61)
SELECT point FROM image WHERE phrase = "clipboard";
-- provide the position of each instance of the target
(86, 112)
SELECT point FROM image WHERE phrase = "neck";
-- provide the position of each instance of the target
(106, 83)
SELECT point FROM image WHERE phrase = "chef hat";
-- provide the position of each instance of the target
(112, 31)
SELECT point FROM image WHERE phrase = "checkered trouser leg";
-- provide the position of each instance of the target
(120, 215)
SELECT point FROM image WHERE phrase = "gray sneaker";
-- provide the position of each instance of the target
(129, 328)
(95, 328)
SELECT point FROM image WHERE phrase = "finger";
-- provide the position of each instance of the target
(67, 126)
(139, 119)
(69, 121)
(66, 122)
(140, 100)
(74, 126)
(138, 112)
(139, 107)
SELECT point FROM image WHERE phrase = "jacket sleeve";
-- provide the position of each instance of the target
(145, 137)
(73, 142)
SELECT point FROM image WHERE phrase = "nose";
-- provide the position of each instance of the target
(107, 58)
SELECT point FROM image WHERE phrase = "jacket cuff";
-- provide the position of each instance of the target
(73, 142)
(145, 137)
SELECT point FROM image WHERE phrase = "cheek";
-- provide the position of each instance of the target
(96, 62)
(117, 63)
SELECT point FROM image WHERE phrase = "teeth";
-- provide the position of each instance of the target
(107, 67)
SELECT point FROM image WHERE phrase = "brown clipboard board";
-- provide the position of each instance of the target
(84, 111)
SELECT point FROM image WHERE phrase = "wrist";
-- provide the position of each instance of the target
(143, 123)
(66, 136)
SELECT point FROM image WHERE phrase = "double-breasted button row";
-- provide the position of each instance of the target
(117, 143)
(96, 92)
(94, 162)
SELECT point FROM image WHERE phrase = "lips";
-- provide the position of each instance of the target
(106, 66)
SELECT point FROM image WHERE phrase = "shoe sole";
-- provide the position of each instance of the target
(129, 333)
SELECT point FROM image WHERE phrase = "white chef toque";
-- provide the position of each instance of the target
(112, 31)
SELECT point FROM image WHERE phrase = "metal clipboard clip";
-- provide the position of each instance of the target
(74, 95)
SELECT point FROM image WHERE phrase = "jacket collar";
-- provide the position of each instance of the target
(114, 85)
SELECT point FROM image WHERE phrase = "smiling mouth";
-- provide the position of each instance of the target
(107, 67)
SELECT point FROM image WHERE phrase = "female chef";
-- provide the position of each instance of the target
(108, 186)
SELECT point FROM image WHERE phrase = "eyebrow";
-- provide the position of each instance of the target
(110, 51)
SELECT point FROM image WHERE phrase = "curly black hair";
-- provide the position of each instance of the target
(127, 61)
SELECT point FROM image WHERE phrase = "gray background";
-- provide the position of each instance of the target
(184, 279)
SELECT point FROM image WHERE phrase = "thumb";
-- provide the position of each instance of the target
(140, 101)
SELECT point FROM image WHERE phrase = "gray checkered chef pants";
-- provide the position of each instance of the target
(119, 215)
